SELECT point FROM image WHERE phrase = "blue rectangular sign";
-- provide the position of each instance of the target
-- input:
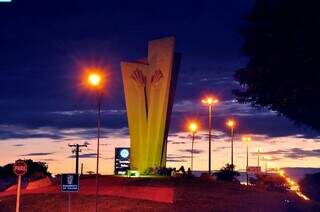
(69, 182)
(121, 160)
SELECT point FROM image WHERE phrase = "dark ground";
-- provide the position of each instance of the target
(189, 195)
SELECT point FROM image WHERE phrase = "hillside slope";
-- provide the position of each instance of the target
(189, 195)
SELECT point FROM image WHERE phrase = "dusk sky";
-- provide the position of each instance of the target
(45, 46)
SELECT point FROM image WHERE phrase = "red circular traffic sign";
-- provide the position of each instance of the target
(20, 167)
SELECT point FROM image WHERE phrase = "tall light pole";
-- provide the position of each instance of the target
(266, 159)
(231, 124)
(193, 127)
(247, 140)
(95, 79)
(258, 153)
(210, 101)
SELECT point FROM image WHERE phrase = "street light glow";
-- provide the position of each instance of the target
(193, 127)
(231, 123)
(94, 79)
(209, 101)
(246, 139)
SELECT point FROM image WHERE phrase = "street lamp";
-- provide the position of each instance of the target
(231, 124)
(95, 81)
(247, 140)
(210, 101)
(266, 159)
(193, 127)
(258, 154)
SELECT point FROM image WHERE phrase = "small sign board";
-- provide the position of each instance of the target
(20, 168)
(69, 182)
(121, 160)
(254, 169)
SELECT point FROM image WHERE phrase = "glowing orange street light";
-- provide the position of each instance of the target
(210, 101)
(193, 127)
(247, 141)
(95, 80)
(231, 124)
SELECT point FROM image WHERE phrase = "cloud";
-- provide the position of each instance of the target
(216, 149)
(188, 137)
(195, 151)
(57, 134)
(173, 158)
(85, 155)
(48, 159)
(178, 142)
(18, 145)
(37, 154)
(297, 153)
(14, 131)
(293, 153)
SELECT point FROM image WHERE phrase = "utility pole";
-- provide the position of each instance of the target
(81, 169)
(76, 150)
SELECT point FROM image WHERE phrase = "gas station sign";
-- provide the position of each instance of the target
(121, 160)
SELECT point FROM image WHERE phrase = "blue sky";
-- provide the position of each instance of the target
(46, 44)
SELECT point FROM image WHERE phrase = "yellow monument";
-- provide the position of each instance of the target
(149, 87)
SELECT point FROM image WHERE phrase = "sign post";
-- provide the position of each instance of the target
(69, 183)
(19, 168)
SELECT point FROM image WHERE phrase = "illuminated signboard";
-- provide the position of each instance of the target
(69, 182)
(121, 160)
(253, 169)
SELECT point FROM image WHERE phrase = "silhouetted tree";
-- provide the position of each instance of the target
(282, 42)
(34, 168)
(227, 173)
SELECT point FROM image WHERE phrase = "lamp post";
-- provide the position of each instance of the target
(231, 124)
(258, 153)
(247, 140)
(95, 79)
(210, 101)
(193, 129)
(266, 159)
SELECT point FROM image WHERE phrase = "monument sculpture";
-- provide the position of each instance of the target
(149, 87)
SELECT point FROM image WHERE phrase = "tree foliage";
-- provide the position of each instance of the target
(227, 173)
(282, 42)
(34, 168)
